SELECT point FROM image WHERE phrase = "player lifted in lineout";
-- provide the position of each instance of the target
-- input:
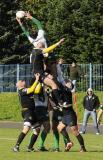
(38, 58)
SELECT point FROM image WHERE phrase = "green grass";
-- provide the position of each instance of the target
(8, 138)
(10, 107)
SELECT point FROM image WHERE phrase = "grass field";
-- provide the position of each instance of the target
(10, 110)
(8, 138)
(10, 107)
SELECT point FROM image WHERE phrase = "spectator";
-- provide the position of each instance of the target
(74, 74)
(91, 103)
(60, 71)
(100, 113)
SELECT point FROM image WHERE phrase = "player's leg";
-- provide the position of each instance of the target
(62, 130)
(57, 118)
(55, 136)
(79, 137)
(49, 82)
(44, 133)
(43, 118)
(71, 121)
(22, 135)
(36, 131)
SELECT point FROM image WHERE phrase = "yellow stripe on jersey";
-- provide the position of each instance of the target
(32, 88)
(38, 88)
(49, 49)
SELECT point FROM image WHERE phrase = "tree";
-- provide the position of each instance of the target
(80, 22)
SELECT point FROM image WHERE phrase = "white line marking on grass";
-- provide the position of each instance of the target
(9, 139)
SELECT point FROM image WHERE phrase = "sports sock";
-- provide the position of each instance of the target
(42, 139)
(32, 140)
(80, 140)
(20, 138)
(56, 139)
(65, 136)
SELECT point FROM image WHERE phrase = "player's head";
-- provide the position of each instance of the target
(69, 84)
(40, 45)
(33, 33)
(21, 84)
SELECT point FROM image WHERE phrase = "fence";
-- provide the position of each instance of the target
(92, 76)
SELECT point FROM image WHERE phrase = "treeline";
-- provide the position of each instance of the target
(79, 21)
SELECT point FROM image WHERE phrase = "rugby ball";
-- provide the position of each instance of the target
(20, 14)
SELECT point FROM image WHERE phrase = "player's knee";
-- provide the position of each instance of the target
(47, 128)
(75, 131)
(54, 127)
(36, 131)
(26, 128)
(60, 128)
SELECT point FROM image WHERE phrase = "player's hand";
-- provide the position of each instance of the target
(37, 75)
(18, 19)
(28, 15)
(61, 40)
(50, 76)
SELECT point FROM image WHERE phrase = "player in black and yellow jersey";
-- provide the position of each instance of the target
(28, 112)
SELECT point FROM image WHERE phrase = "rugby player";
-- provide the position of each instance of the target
(38, 62)
(56, 119)
(69, 117)
(28, 112)
(41, 102)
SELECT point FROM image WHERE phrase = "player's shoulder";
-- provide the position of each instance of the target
(22, 90)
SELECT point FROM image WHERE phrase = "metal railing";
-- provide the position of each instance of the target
(92, 76)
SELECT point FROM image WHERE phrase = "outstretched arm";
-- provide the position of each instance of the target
(49, 49)
(25, 31)
(36, 21)
(22, 27)
(32, 88)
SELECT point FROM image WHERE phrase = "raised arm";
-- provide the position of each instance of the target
(25, 31)
(34, 20)
(49, 49)
(22, 27)
(32, 88)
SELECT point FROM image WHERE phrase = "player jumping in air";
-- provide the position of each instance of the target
(38, 62)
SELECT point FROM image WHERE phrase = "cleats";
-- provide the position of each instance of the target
(16, 149)
(68, 146)
(30, 149)
(42, 149)
(83, 149)
(97, 133)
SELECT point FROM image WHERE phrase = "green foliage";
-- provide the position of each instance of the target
(80, 22)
